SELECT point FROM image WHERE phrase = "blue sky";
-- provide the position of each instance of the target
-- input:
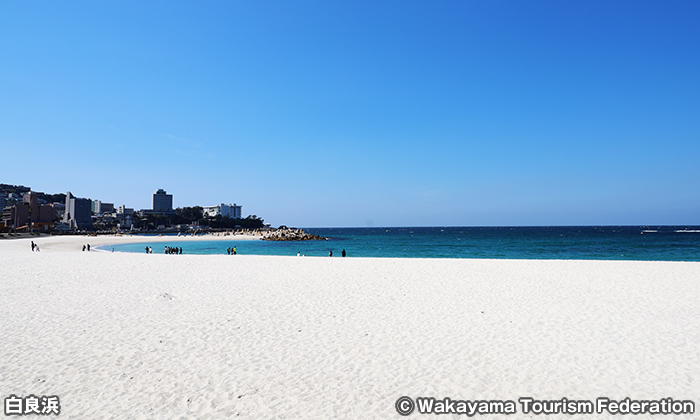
(363, 113)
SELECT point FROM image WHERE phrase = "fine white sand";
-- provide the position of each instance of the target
(137, 336)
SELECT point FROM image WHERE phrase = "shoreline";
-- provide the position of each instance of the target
(53, 243)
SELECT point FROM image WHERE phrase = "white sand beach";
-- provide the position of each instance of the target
(137, 336)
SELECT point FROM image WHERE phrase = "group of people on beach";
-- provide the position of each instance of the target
(149, 250)
(173, 250)
(231, 251)
(86, 247)
(330, 253)
(35, 247)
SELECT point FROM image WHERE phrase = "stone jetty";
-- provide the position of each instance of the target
(287, 234)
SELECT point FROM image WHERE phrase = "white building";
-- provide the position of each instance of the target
(125, 211)
(99, 207)
(225, 210)
(125, 216)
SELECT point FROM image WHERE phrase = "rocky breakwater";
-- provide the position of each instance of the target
(286, 234)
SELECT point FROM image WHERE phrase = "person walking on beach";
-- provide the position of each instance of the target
(234, 250)
(88, 247)
(83, 247)
(330, 253)
(33, 246)
(343, 253)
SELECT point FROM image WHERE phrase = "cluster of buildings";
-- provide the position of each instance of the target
(23, 210)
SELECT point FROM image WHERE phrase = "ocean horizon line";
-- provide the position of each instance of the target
(490, 226)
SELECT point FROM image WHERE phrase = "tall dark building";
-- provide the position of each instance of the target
(162, 201)
(78, 212)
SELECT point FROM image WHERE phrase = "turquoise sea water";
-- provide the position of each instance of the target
(650, 243)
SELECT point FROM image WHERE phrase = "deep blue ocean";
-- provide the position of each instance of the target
(648, 243)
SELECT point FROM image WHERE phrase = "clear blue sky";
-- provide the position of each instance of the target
(360, 113)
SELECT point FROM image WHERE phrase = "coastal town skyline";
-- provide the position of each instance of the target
(23, 208)
(362, 114)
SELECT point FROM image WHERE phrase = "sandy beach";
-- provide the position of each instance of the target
(137, 336)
